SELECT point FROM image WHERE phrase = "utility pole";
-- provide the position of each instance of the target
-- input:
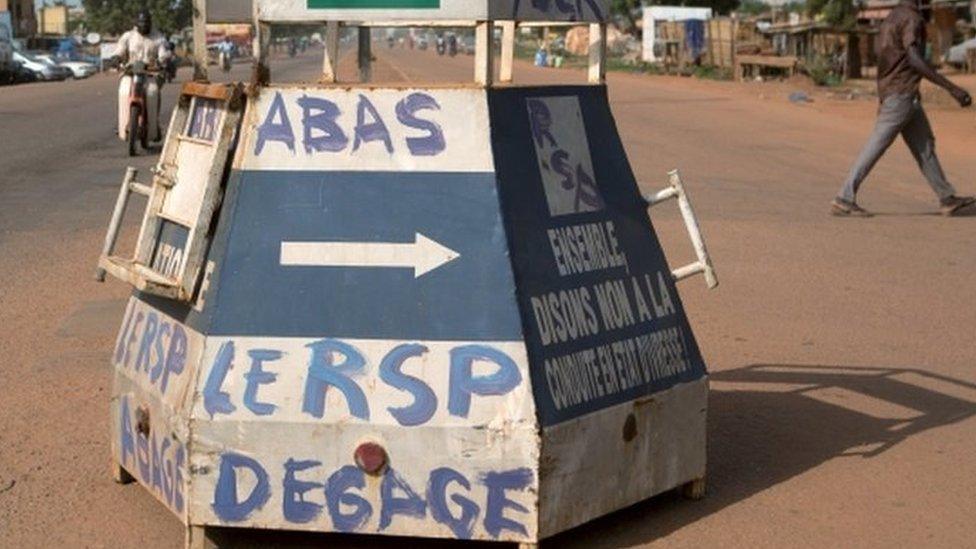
(200, 40)
(365, 55)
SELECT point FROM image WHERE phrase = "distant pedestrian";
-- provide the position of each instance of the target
(901, 67)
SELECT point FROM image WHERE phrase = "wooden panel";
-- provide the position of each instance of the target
(230, 11)
(768, 60)
(220, 92)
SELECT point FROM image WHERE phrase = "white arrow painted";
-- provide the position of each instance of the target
(422, 255)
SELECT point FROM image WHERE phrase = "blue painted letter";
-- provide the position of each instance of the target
(497, 484)
(293, 504)
(178, 483)
(126, 442)
(464, 383)
(226, 504)
(132, 339)
(337, 494)
(145, 344)
(214, 400)
(276, 131)
(161, 335)
(433, 143)
(175, 356)
(257, 377)
(123, 336)
(424, 399)
(412, 505)
(370, 131)
(323, 372)
(331, 137)
(437, 498)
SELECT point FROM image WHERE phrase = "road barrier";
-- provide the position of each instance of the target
(434, 312)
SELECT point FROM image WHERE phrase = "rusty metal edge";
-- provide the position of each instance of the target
(220, 92)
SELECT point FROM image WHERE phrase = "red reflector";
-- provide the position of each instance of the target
(371, 458)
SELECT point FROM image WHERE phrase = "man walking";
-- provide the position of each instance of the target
(901, 67)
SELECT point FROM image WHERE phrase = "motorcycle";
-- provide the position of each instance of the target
(169, 69)
(441, 46)
(135, 130)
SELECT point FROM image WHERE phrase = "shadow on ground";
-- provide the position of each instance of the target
(767, 424)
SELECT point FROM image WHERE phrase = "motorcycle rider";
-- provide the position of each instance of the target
(142, 44)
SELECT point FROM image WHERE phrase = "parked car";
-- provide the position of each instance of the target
(51, 62)
(18, 74)
(43, 70)
(7, 65)
(79, 69)
(957, 54)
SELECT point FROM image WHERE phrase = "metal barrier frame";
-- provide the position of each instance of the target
(676, 190)
(484, 63)
(136, 270)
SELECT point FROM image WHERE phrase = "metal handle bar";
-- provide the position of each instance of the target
(129, 185)
(676, 190)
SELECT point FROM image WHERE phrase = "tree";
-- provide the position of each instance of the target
(117, 16)
(841, 14)
(628, 11)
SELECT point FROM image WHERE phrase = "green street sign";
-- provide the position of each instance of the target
(373, 4)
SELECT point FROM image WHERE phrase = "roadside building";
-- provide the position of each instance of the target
(23, 20)
(952, 22)
(661, 40)
(53, 20)
(818, 45)
(230, 11)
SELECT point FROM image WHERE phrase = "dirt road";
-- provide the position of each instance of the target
(844, 376)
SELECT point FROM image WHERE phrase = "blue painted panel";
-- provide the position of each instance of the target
(583, 356)
(167, 257)
(470, 298)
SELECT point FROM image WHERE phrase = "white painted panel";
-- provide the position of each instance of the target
(257, 410)
(343, 129)
(193, 164)
(158, 460)
(474, 460)
(593, 469)
(155, 361)
(280, 372)
(157, 353)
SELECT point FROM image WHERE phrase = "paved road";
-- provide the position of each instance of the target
(844, 376)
